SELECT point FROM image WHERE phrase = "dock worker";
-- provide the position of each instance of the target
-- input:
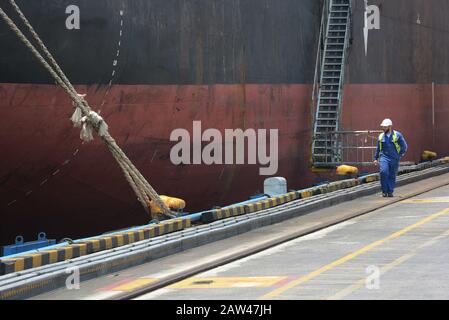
(391, 146)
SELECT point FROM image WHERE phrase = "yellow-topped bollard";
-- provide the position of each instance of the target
(345, 170)
(429, 155)
(172, 203)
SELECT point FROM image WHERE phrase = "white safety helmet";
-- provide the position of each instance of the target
(386, 123)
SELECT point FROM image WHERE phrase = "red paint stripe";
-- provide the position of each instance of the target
(285, 281)
(116, 284)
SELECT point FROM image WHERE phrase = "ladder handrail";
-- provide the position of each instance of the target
(342, 74)
(319, 54)
(323, 59)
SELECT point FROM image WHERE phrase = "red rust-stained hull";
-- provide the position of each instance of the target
(410, 107)
(50, 182)
(45, 167)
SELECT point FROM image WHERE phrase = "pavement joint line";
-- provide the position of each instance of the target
(359, 284)
(352, 255)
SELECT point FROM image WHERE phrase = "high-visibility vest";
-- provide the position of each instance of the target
(395, 141)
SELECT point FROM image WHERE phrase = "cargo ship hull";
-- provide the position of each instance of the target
(151, 67)
(79, 187)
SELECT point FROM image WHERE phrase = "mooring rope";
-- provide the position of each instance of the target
(84, 117)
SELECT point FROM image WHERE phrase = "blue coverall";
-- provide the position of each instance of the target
(389, 160)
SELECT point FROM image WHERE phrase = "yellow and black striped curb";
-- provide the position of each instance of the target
(58, 254)
(370, 178)
(219, 214)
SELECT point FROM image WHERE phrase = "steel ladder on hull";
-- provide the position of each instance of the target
(336, 30)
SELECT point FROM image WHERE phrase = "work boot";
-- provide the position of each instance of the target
(390, 195)
(384, 195)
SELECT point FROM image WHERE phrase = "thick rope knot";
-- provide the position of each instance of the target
(89, 122)
(78, 113)
(76, 117)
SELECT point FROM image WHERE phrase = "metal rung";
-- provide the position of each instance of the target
(328, 127)
(330, 118)
(329, 90)
(327, 119)
(327, 99)
(327, 112)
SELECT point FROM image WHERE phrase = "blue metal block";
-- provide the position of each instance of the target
(258, 196)
(21, 246)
